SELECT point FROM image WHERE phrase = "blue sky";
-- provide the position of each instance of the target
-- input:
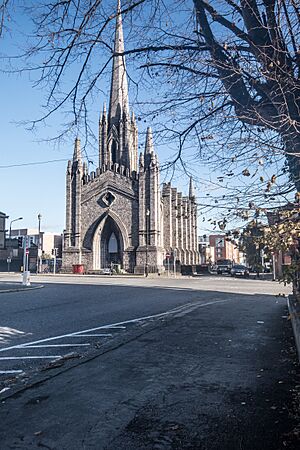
(28, 188)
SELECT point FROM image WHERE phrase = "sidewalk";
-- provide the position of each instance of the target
(221, 377)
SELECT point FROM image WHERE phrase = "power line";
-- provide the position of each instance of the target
(37, 163)
(33, 163)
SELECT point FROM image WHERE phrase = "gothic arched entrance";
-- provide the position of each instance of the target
(111, 244)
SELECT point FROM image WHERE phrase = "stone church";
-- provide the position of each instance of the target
(119, 214)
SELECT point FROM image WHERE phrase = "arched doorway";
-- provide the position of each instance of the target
(111, 244)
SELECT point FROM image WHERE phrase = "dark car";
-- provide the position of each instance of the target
(239, 271)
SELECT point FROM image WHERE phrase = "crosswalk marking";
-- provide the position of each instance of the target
(6, 358)
(55, 345)
(9, 372)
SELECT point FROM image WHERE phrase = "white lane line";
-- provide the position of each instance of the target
(118, 328)
(174, 311)
(90, 335)
(6, 358)
(55, 345)
(5, 372)
(193, 307)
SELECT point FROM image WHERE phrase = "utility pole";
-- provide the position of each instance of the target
(147, 240)
(26, 273)
(38, 265)
(54, 262)
(54, 253)
(174, 261)
(274, 266)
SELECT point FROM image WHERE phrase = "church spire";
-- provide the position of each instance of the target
(77, 150)
(149, 148)
(119, 104)
(191, 189)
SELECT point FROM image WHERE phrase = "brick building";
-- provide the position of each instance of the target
(118, 213)
(215, 246)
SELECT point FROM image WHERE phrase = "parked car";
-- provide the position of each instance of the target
(239, 271)
(224, 265)
(105, 271)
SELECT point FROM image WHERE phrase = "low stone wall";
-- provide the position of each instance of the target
(294, 310)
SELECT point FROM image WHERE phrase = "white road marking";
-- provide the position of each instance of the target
(91, 335)
(4, 390)
(55, 345)
(4, 372)
(5, 358)
(121, 328)
(175, 311)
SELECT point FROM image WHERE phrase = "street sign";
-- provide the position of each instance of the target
(168, 255)
(8, 260)
(27, 251)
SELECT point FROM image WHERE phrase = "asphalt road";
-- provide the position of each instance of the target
(36, 325)
(217, 373)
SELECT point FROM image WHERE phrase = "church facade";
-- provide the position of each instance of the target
(120, 214)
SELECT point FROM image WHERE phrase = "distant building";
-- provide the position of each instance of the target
(49, 241)
(215, 246)
(204, 249)
(11, 247)
(8, 249)
(281, 259)
(3, 218)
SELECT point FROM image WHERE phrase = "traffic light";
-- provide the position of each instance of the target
(20, 241)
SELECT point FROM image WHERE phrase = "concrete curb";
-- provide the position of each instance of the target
(19, 289)
(294, 310)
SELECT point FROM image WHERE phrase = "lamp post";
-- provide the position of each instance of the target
(38, 266)
(14, 220)
(147, 239)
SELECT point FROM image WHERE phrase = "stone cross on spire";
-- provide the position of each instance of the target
(118, 104)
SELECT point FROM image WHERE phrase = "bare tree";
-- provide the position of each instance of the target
(3, 14)
(259, 64)
(220, 77)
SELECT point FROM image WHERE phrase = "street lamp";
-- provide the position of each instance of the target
(38, 266)
(147, 239)
(14, 220)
